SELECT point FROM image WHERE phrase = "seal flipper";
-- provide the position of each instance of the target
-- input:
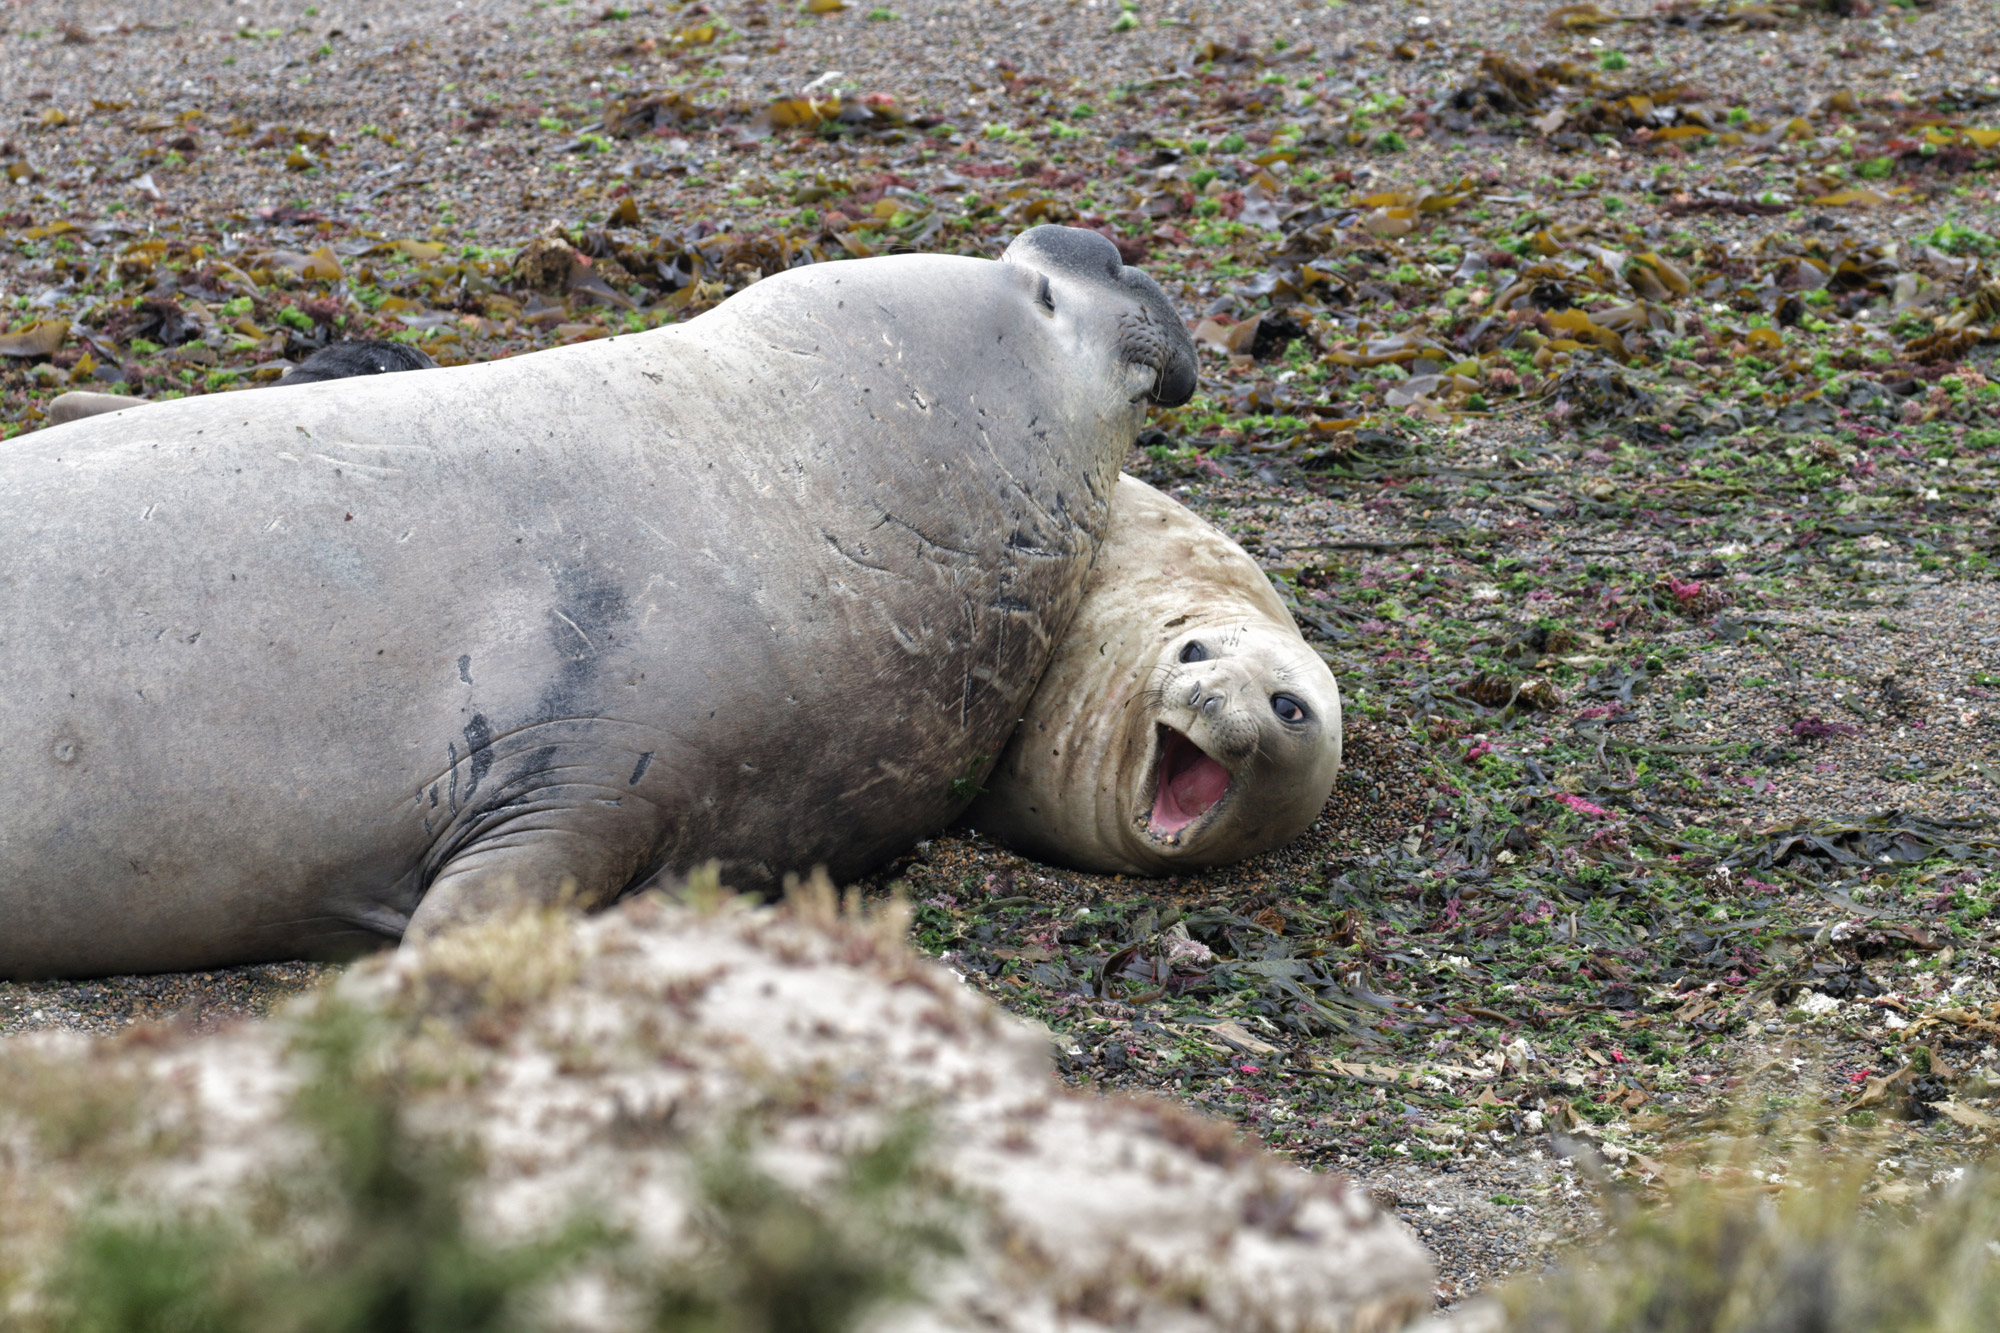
(78, 404)
(576, 867)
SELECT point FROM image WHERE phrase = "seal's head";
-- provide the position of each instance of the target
(1068, 272)
(1184, 722)
(368, 356)
(1231, 749)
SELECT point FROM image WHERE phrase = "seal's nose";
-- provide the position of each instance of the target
(1204, 700)
(1176, 380)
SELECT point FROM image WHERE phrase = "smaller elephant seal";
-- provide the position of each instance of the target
(338, 361)
(366, 356)
(1184, 721)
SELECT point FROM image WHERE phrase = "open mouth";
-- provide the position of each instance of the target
(1187, 784)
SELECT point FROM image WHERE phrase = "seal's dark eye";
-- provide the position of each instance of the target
(1044, 297)
(1288, 708)
(1194, 652)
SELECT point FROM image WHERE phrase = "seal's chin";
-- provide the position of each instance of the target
(1187, 784)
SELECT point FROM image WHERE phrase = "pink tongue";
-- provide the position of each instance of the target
(1189, 783)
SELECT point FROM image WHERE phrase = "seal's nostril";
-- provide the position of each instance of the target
(1174, 382)
(1211, 705)
(1194, 696)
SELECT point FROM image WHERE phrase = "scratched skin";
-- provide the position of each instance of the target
(293, 674)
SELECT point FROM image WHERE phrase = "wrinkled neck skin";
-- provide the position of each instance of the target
(1132, 760)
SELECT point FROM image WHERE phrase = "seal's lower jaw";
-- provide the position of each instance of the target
(1187, 785)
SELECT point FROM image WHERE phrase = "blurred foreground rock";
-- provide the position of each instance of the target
(601, 1069)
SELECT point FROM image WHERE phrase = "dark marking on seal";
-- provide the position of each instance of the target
(1021, 541)
(639, 769)
(1010, 604)
(451, 793)
(465, 668)
(584, 624)
(479, 750)
(588, 610)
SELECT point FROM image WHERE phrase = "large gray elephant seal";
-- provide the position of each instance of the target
(1184, 722)
(288, 674)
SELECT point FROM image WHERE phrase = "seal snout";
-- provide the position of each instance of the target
(1153, 335)
(1173, 360)
(1150, 333)
(1175, 386)
(1205, 701)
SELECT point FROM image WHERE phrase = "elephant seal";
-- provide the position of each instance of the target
(1184, 721)
(337, 361)
(362, 356)
(293, 674)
